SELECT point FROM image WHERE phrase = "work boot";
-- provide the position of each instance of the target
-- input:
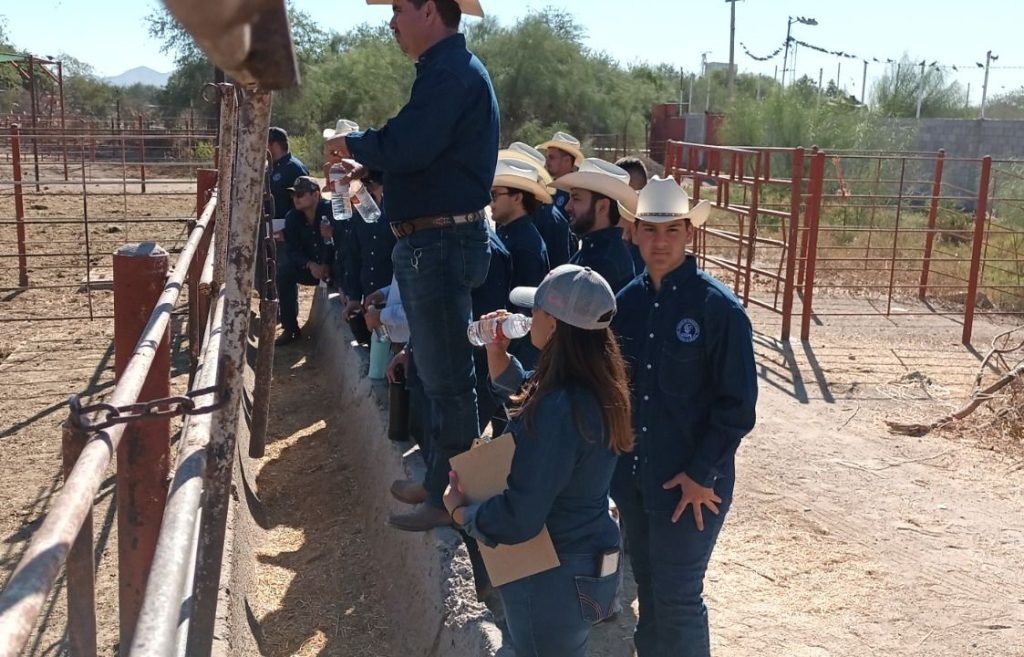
(288, 337)
(409, 492)
(423, 519)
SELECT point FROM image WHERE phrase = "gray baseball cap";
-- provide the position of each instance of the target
(572, 294)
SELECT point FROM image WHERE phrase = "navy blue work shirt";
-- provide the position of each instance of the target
(560, 475)
(302, 240)
(529, 254)
(439, 153)
(638, 260)
(367, 256)
(553, 224)
(283, 173)
(493, 293)
(605, 252)
(690, 353)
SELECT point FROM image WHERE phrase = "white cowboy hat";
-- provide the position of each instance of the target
(343, 127)
(520, 175)
(662, 201)
(602, 177)
(563, 141)
(469, 7)
(517, 150)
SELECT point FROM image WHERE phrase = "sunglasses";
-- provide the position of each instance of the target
(495, 195)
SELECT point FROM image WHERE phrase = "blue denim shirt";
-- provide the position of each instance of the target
(283, 173)
(553, 225)
(302, 240)
(689, 350)
(438, 154)
(367, 256)
(605, 252)
(639, 266)
(560, 476)
(529, 254)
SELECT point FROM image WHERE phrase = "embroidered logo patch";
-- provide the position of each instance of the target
(276, 177)
(688, 330)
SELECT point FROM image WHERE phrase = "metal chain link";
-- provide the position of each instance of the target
(166, 407)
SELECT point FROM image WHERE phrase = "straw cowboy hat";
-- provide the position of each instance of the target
(517, 150)
(602, 177)
(343, 127)
(662, 201)
(468, 7)
(524, 176)
(563, 141)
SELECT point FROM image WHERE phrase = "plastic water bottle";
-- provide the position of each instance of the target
(486, 331)
(340, 202)
(368, 208)
(324, 221)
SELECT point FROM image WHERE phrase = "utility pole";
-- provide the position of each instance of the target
(803, 20)
(821, 75)
(707, 79)
(732, 48)
(864, 82)
(839, 73)
(920, 91)
(989, 58)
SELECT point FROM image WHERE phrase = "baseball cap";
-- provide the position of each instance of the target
(572, 294)
(304, 185)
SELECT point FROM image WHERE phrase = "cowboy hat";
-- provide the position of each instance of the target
(517, 150)
(602, 177)
(524, 176)
(468, 7)
(563, 141)
(662, 201)
(343, 127)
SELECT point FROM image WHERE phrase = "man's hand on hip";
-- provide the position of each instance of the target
(693, 494)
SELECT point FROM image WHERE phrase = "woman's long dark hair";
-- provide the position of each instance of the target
(590, 360)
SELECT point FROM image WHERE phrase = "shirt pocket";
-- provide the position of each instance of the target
(681, 371)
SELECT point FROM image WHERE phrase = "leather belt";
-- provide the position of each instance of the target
(406, 228)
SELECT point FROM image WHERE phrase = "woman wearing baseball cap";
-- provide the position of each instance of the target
(570, 419)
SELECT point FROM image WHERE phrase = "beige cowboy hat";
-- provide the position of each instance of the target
(523, 176)
(602, 177)
(343, 127)
(662, 201)
(563, 141)
(517, 150)
(468, 7)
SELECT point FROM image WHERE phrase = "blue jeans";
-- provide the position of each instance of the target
(436, 271)
(289, 277)
(669, 561)
(550, 614)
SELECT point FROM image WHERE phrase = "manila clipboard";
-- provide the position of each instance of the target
(483, 472)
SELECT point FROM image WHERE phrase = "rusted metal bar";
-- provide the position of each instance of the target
(755, 200)
(168, 602)
(206, 180)
(19, 205)
(63, 127)
(143, 457)
(225, 169)
(206, 287)
(81, 579)
(981, 211)
(142, 156)
(796, 196)
(263, 377)
(35, 115)
(88, 247)
(933, 211)
(813, 213)
(34, 576)
(895, 239)
(246, 200)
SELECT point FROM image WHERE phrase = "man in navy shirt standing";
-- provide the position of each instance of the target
(596, 191)
(283, 171)
(689, 347)
(563, 155)
(438, 157)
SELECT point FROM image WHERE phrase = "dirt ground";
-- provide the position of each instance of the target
(843, 539)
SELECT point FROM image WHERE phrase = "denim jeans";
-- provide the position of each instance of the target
(436, 271)
(288, 279)
(669, 561)
(550, 614)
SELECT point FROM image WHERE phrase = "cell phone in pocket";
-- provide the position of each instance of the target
(609, 562)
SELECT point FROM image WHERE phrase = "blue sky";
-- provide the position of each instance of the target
(111, 35)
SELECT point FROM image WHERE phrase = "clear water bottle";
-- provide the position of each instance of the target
(340, 202)
(486, 331)
(324, 221)
(368, 208)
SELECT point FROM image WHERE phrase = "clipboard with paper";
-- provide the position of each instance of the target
(483, 472)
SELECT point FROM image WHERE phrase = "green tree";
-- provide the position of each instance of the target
(896, 93)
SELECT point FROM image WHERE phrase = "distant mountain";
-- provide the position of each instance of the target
(139, 75)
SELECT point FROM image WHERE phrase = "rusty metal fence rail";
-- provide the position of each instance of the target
(171, 538)
(878, 231)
